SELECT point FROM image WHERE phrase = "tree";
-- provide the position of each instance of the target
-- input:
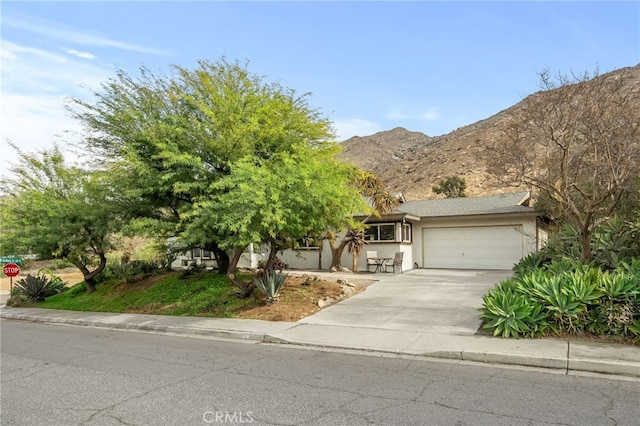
(355, 244)
(452, 187)
(577, 145)
(283, 198)
(380, 200)
(59, 211)
(175, 136)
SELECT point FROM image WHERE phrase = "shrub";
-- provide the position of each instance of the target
(567, 297)
(507, 312)
(616, 241)
(278, 264)
(530, 263)
(60, 264)
(132, 271)
(270, 284)
(39, 287)
(194, 268)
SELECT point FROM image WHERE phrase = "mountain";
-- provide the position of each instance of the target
(412, 162)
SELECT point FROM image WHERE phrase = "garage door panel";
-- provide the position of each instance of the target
(481, 247)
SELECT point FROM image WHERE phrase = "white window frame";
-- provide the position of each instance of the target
(367, 235)
(406, 233)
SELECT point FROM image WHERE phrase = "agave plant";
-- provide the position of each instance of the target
(529, 263)
(505, 312)
(39, 287)
(270, 284)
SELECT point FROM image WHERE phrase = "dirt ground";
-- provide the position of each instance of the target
(298, 300)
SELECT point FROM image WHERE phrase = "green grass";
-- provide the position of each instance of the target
(203, 294)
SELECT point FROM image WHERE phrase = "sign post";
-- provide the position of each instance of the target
(11, 259)
(11, 270)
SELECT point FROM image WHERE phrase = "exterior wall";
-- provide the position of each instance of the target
(250, 259)
(320, 259)
(527, 221)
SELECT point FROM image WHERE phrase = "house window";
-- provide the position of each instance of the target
(380, 232)
(309, 243)
(206, 254)
(196, 253)
(406, 232)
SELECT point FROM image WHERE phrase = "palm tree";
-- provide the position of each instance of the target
(383, 202)
(355, 244)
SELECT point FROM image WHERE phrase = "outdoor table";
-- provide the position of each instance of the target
(380, 261)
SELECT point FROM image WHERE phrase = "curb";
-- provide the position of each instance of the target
(225, 334)
(629, 369)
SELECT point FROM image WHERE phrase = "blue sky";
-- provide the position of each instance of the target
(427, 66)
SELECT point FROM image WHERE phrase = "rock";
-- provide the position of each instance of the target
(321, 303)
(343, 269)
(347, 291)
(333, 269)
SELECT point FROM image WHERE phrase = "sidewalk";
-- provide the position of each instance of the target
(389, 317)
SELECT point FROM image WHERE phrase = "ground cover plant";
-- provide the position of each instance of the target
(555, 292)
(566, 298)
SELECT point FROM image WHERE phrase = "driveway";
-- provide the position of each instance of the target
(426, 300)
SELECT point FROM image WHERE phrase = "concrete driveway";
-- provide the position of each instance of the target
(426, 300)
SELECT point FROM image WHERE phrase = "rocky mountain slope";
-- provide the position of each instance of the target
(412, 162)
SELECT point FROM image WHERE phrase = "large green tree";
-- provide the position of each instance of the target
(176, 135)
(276, 200)
(60, 211)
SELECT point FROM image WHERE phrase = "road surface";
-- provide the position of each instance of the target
(64, 375)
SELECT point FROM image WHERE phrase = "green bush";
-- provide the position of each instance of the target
(59, 264)
(132, 271)
(505, 311)
(270, 284)
(530, 263)
(39, 287)
(613, 242)
(566, 297)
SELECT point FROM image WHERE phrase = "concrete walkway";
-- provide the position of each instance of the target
(423, 313)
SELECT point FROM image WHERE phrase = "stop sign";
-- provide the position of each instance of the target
(11, 270)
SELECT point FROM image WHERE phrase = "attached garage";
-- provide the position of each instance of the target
(473, 247)
(492, 232)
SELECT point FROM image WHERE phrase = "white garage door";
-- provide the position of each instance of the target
(477, 247)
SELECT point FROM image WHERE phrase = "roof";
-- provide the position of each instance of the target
(466, 206)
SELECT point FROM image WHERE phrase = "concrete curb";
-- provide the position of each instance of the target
(568, 356)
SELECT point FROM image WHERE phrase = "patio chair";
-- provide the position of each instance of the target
(371, 261)
(397, 262)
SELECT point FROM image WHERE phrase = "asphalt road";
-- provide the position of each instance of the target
(63, 375)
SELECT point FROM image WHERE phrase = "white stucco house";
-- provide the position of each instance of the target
(492, 232)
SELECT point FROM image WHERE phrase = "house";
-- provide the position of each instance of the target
(492, 232)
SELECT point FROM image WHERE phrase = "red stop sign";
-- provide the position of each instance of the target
(11, 269)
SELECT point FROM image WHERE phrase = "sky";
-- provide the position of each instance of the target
(427, 66)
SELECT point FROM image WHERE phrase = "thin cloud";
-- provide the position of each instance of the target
(10, 51)
(36, 86)
(82, 55)
(73, 35)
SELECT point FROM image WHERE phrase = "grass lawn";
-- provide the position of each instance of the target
(204, 294)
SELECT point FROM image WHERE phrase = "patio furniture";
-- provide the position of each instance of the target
(371, 260)
(397, 262)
